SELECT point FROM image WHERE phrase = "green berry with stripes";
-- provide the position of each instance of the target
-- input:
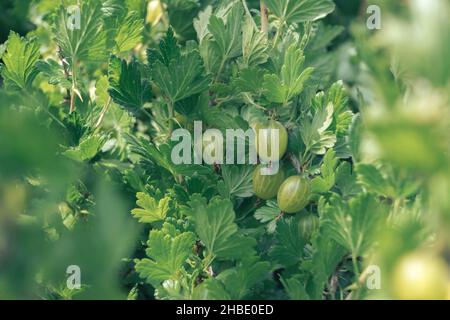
(294, 194)
(266, 186)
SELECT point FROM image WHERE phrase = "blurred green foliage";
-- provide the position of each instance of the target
(14, 16)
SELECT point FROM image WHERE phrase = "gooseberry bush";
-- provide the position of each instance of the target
(91, 99)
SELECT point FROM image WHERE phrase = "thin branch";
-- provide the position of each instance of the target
(72, 100)
(103, 113)
(74, 89)
(278, 34)
(146, 113)
(66, 74)
(222, 65)
(264, 18)
(170, 108)
(362, 8)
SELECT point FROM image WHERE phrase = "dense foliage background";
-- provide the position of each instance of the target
(86, 177)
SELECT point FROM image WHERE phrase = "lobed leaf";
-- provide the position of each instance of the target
(19, 62)
(297, 11)
(215, 226)
(127, 86)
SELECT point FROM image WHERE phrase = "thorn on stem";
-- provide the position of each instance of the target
(278, 218)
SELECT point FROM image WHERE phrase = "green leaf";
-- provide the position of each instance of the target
(127, 87)
(326, 256)
(86, 41)
(249, 80)
(323, 118)
(274, 90)
(343, 117)
(297, 11)
(178, 75)
(101, 90)
(19, 62)
(343, 122)
(150, 153)
(227, 35)
(270, 214)
(346, 181)
(201, 23)
(387, 181)
(324, 37)
(371, 178)
(168, 50)
(215, 226)
(295, 288)
(217, 118)
(254, 44)
(237, 181)
(129, 33)
(2, 49)
(168, 254)
(290, 83)
(353, 223)
(54, 73)
(290, 244)
(314, 133)
(327, 178)
(172, 290)
(211, 289)
(338, 97)
(240, 280)
(115, 8)
(355, 134)
(234, 283)
(162, 157)
(182, 5)
(152, 210)
(88, 148)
